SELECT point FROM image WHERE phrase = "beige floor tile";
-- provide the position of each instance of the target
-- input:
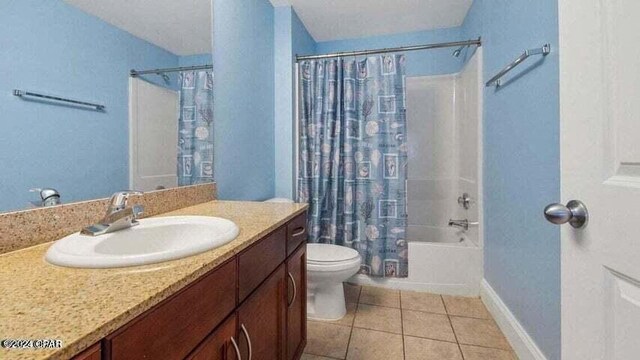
(479, 332)
(378, 318)
(466, 306)
(426, 349)
(327, 339)
(374, 345)
(422, 301)
(480, 353)
(352, 292)
(314, 357)
(380, 296)
(427, 325)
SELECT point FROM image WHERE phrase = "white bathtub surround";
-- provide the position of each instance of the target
(328, 266)
(443, 265)
(520, 341)
(445, 156)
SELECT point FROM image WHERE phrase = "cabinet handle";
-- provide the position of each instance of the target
(298, 231)
(246, 334)
(236, 348)
(295, 289)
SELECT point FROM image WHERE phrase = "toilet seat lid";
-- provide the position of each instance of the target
(327, 253)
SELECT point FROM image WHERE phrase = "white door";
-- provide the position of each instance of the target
(153, 140)
(600, 164)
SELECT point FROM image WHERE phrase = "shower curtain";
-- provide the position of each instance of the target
(353, 157)
(195, 130)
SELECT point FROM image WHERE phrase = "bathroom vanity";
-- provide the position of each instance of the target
(251, 307)
(244, 300)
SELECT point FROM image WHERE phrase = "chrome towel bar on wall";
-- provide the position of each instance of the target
(544, 51)
(25, 93)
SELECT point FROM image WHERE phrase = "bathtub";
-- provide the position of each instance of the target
(441, 260)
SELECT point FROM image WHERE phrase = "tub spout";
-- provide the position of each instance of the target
(462, 224)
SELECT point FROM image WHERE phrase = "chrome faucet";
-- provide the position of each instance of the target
(118, 215)
(48, 197)
(462, 224)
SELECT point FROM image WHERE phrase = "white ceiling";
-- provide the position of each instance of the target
(345, 19)
(182, 27)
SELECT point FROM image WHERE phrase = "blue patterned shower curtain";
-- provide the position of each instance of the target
(353, 157)
(195, 131)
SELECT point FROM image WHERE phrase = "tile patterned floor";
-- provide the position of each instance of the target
(390, 324)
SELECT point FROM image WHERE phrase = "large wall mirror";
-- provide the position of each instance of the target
(74, 118)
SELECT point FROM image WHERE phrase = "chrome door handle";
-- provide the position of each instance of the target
(246, 334)
(235, 348)
(575, 213)
(295, 290)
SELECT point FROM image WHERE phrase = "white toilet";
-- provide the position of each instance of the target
(328, 266)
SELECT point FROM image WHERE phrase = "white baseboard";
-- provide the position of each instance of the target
(522, 343)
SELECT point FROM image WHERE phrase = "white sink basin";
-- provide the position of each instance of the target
(154, 240)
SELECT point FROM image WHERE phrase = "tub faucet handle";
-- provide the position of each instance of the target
(465, 201)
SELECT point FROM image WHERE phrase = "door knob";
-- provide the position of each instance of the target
(575, 213)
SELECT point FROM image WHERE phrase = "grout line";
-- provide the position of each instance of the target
(488, 347)
(437, 313)
(452, 328)
(421, 337)
(404, 353)
(327, 323)
(346, 354)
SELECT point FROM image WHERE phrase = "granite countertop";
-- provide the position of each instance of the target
(81, 306)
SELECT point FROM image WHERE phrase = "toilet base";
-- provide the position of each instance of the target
(326, 302)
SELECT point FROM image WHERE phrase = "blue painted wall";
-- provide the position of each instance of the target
(522, 163)
(419, 63)
(52, 47)
(291, 38)
(193, 60)
(243, 63)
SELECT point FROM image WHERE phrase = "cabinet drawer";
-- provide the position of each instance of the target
(259, 260)
(296, 232)
(172, 329)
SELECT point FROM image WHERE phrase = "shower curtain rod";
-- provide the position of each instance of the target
(135, 73)
(477, 42)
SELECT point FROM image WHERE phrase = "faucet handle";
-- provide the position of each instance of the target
(119, 199)
(48, 196)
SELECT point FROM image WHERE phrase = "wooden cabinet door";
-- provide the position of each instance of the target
(296, 303)
(219, 345)
(261, 320)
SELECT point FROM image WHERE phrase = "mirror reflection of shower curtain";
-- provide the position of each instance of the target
(352, 166)
(195, 132)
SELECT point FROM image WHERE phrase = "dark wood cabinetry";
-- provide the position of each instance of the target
(297, 303)
(219, 345)
(261, 319)
(252, 307)
(92, 353)
(172, 329)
